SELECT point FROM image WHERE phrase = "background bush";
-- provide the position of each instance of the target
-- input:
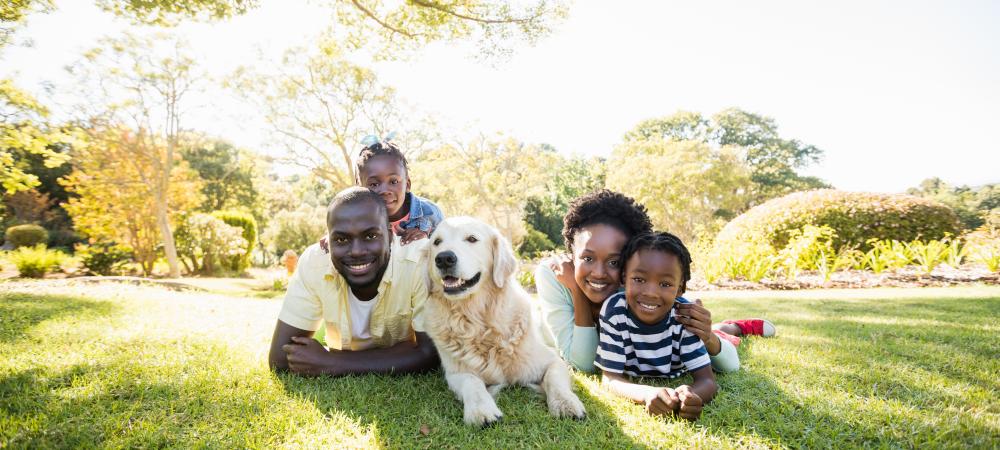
(36, 261)
(855, 217)
(240, 262)
(205, 242)
(104, 258)
(26, 235)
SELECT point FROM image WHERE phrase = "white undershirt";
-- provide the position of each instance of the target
(361, 316)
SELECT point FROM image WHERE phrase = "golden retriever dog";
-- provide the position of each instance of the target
(481, 322)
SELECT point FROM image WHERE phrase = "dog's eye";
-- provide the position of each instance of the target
(472, 239)
(437, 241)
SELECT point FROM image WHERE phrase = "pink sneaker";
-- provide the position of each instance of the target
(735, 340)
(754, 327)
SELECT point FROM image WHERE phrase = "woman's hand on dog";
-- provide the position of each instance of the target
(306, 356)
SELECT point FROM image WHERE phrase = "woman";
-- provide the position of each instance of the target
(573, 286)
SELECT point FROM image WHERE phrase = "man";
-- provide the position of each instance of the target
(368, 292)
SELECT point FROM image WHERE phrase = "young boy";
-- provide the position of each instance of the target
(382, 168)
(640, 335)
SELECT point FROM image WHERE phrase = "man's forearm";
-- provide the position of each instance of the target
(404, 357)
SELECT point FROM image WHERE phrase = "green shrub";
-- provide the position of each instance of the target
(246, 222)
(856, 218)
(205, 243)
(35, 262)
(983, 245)
(534, 243)
(26, 235)
(103, 259)
(928, 255)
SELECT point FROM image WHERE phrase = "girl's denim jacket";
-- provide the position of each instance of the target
(424, 215)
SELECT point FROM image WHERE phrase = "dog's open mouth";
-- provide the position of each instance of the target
(454, 285)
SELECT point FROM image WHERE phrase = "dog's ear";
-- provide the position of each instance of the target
(504, 261)
(428, 253)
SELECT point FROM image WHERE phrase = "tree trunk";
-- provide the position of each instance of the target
(169, 248)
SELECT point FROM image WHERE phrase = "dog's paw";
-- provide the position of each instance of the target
(567, 405)
(483, 414)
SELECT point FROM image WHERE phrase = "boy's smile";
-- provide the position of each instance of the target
(652, 279)
(386, 176)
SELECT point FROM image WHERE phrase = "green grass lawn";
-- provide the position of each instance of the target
(126, 366)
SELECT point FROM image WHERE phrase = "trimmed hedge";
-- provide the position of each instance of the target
(248, 224)
(26, 235)
(856, 217)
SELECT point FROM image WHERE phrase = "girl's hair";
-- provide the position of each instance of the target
(608, 208)
(378, 149)
(663, 242)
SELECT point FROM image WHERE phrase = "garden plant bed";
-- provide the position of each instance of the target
(909, 277)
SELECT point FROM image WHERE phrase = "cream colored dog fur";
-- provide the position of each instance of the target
(482, 324)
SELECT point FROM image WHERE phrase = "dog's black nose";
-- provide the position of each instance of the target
(445, 260)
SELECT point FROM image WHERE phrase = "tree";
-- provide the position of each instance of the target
(571, 178)
(113, 194)
(13, 14)
(24, 132)
(141, 82)
(390, 28)
(319, 106)
(972, 205)
(489, 178)
(227, 174)
(689, 188)
(772, 159)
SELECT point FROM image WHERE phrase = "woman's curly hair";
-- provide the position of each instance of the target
(608, 208)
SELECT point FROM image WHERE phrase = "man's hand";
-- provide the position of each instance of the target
(410, 235)
(663, 402)
(306, 356)
(690, 403)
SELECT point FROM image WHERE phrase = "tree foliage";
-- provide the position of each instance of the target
(227, 174)
(295, 229)
(24, 131)
(142, 82)
(972, 204)
(772, 159)
(318, 106)
(489, 178)
(571, 178)
(388, 28)
(113, 196)
(689, 188)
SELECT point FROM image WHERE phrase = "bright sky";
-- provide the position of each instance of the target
(894, 92)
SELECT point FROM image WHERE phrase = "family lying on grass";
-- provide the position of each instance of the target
(613, 303)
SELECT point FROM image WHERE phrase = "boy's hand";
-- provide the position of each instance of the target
(696, 319)
(663, 402)
(412, 234)
(690, 403)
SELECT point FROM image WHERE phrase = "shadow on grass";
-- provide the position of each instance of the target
(21, 312)
(398, 407)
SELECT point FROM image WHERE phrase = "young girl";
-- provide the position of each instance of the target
(382, 168)
(641, 335)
